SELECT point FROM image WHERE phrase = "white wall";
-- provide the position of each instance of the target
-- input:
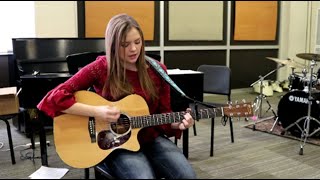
(297, 33)
(297, 27)
(56, 19)
(293, 34)
(315, 5)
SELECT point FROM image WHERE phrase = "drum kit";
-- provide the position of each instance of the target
(299, 109)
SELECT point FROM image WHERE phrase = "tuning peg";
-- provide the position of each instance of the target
(230, 104)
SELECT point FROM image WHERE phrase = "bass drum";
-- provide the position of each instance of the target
(293, 106)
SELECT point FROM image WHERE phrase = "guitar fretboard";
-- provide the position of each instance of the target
(167, 118)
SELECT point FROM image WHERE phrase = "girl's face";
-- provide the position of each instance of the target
(130, 47)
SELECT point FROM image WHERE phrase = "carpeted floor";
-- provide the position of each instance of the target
(266, 125)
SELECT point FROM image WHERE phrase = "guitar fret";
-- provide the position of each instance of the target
(133, 121)
(157, 120)
(181, 116)
(141, 121)
(145, 120)
(156, 117)
(163, 116)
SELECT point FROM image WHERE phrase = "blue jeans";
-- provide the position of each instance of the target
(160, 158)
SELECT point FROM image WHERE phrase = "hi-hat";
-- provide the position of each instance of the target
(290, 63)
(309, 56)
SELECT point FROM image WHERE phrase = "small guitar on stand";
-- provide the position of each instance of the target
(83, 142)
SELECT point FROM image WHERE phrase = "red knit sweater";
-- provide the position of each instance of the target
(95, 74)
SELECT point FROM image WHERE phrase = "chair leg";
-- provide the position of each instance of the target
(32, 133)
(212, 137)
(43, 144)
(194, 129)
(231, 129)
(98, 174)
(13, 160)
(194, 107)
(86, 173)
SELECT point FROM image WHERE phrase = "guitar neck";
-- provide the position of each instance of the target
(168, 118)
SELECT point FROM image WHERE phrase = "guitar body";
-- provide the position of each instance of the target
(72, 138)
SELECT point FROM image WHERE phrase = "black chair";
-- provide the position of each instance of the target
(5, 118)
(217, 80)
(76, 61)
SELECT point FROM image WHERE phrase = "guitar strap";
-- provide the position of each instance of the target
(164, 75)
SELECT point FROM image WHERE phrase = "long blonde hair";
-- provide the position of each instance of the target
(117, 83)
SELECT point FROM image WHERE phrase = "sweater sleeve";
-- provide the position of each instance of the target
(61, 97)
(165, 106)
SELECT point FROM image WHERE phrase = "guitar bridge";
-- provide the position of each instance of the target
(92, 129)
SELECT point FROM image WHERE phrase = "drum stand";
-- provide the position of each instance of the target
(291, 78)
(258, 100)
(306, 126)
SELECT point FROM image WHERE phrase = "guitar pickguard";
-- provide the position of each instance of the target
(108, 140)
(118, 134)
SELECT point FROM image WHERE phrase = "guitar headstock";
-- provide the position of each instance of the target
(238, 110)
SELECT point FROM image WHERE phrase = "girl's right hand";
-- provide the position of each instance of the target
(108, 113)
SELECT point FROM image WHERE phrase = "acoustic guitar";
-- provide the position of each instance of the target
(83, 142)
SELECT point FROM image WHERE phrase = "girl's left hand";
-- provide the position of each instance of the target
(187, 122)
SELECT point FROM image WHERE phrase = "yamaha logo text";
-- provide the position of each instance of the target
(298, 99)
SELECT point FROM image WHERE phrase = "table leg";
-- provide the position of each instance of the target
(185, 141)
(10, 142)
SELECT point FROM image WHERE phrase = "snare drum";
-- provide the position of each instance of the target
(293, 106)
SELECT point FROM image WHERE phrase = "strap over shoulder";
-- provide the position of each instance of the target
(163, 74)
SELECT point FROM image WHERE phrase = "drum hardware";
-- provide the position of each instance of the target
(291, 77)
(258, 100)
(274, 124)
(300, 81)
(306, 125)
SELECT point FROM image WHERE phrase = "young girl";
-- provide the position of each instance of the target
(121, 72)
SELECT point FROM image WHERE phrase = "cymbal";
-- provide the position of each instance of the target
(290, 63)
(309, 56)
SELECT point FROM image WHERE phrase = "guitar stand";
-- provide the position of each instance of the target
(306, 126)
(261, 96)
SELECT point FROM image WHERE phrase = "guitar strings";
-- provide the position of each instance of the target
(140, 121)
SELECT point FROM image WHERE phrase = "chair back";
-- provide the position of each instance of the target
(217, 79)
(77, 61)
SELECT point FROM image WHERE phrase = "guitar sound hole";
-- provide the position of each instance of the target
(107, 140)
(122, 125)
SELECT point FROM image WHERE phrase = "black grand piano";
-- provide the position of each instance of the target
(42, 66)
